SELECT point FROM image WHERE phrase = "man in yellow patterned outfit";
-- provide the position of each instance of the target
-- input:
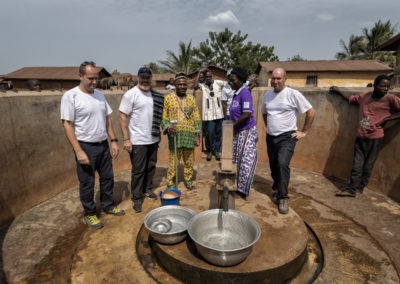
(181, 120)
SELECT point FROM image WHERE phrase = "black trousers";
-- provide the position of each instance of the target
(365, 154)
(143, 159)
(100, 161)
(280, 152)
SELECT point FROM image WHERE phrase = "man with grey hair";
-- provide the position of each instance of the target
(280, 108)
(86, 119)
(140, 114)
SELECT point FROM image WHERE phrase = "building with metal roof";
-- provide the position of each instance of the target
(50, 78)
(325, 73)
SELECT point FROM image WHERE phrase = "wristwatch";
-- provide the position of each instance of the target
(114, 140)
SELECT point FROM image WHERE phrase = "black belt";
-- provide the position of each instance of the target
(93, 143)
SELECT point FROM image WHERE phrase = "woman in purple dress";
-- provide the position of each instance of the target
(245, 132)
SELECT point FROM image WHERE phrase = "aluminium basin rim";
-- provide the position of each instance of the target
(251, 219)
(163, 208)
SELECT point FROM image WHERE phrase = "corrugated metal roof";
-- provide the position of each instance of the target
(391, 44)
(325, 65)
(49, 73)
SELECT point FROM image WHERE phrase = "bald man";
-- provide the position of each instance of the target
(280, 108)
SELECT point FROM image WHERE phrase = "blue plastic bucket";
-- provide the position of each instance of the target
(170, 201)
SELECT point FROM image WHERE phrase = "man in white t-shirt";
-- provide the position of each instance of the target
(280, 108)
(85, 115)
(213, 113)
(140, 113)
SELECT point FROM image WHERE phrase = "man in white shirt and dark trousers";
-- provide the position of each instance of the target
(85, 116)
(280, 108)
(140, 114)
(213, 113)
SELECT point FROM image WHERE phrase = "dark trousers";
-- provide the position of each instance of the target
(365, 154)
(143, 159)
(100, 161)
(280, 152)
(214, 135)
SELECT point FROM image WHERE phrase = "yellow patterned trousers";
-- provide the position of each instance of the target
(188, 161)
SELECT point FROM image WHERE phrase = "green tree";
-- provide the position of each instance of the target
(181, 62)
(156, 69)
(296, 57)
(353, 50)
(226, 49)
(364, 46)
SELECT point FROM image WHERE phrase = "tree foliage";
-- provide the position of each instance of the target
(181, 62)
(365, 45)
(296, 57)
(156, 69)
(226, 49)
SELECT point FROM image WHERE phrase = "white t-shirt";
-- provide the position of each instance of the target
(282, 109)
(212, 106)
(227, 94)
(138, 106)
(88, 112)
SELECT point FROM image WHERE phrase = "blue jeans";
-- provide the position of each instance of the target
(214, 135)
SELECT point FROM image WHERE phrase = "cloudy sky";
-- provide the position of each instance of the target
(126, 34)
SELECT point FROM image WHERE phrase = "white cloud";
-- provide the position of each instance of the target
(221, 20)
(325, 17)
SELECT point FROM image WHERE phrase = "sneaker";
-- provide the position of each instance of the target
(115, 211)
(151, 195)
(92, 221)
(346, 193)
(137, 206)
(209, 156)
(189, 185)
(274, 197)
(218, 156)
(283, 206)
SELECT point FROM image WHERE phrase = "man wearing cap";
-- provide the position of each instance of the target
(140, 114)
(181, 120)
(85, 115)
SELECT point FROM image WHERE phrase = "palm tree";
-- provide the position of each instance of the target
(364, 46)
(380, 33)
(181, 62)
(353, 49)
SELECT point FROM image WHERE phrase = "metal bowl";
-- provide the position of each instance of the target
(224, 238)
(168, 224)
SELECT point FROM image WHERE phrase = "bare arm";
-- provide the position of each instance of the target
(392, 117)
(335, 90)
(111, 134)
(69, 132)
(196, 81)
(244, 116)
(265, 119)
(310, 114)
(123, 121)
(224, 107)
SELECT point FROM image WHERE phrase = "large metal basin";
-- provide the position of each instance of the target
(224, 238)
(168, 224)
